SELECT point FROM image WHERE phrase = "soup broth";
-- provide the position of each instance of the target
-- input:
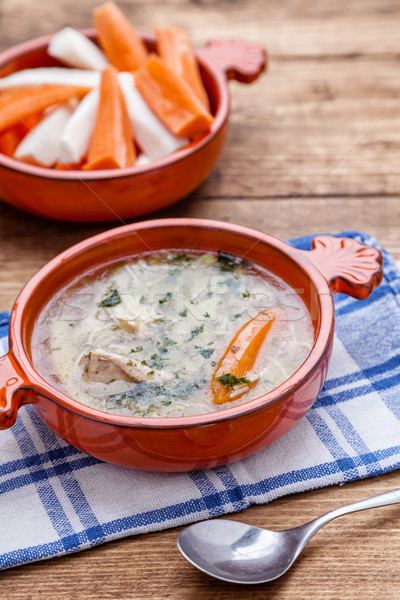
(161, 335)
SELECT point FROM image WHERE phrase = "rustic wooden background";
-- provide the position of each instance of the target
(314, 146)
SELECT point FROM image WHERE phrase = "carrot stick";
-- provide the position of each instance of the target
(112, 145)
(11, 137)
(123, 46)
(17, 105)
(9, 141)
(239, 359)
(171, 99)
(30, 122)
(175, 48)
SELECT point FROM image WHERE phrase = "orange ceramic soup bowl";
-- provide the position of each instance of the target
(117, 194)
(205, 440)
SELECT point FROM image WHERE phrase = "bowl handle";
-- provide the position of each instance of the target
(11, 392)
(348, 266)
(238, 59)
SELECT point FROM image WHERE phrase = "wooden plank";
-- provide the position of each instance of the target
(306, 28)
(21, 255)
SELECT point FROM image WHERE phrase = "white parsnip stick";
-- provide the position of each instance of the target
(153, 137)
(76, 50)
(78, 130)
(42, 144)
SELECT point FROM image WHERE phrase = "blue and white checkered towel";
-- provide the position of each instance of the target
(55, 499)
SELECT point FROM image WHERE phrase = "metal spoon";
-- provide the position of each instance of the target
(240, 553)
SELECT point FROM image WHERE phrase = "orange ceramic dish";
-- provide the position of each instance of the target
(205, 440)
(105, 195)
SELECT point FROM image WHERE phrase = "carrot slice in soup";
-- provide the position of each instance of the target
(111, 146)
(123, 46)
(17, 105)
(171, 99)
(239, 358)
(175, 48)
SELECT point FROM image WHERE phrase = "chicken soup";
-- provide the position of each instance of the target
(172, 334)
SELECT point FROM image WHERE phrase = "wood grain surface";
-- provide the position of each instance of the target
(314, 146)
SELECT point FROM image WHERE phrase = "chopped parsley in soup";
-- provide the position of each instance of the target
(171, 334)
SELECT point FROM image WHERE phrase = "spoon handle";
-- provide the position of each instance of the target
(392, 497)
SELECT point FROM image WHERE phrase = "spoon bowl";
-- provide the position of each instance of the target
(239, 553)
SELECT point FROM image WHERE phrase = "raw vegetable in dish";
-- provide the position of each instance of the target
(175, 333)
(111, 144)
(12, 136)
(171, 99)
(43, 143)
(176, 51)
(151, 135)
(120, 41)
(73, 48)
(164, 99)
(16, 105)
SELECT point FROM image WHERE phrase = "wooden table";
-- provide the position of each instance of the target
(313, 146)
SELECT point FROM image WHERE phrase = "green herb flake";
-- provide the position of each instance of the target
(150, 373)
(71, 325)
(143, 362)
(111, 381)
(137, 349)
(167, 298)
(112, 299)
(246, 294)
(207, 352)
(196, 331)
(142, 300)
(129, 363)
(206, 315)
(154, 356)
(183, 313)
(229, 381)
